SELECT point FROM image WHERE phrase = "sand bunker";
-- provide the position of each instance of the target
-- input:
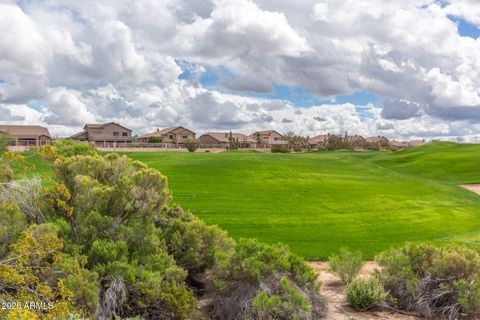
(471, 187)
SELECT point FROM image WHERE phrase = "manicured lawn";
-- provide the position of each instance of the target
(319, 202)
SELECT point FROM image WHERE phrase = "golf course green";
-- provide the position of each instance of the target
(317, 202)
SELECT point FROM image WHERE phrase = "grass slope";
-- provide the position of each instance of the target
(319, 202)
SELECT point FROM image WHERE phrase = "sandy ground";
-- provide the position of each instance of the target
(332, 290)
(471, 187)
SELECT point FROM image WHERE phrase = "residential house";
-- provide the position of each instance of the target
(268, 138)
(416, 143)
(380, 141)
(357, 142)
(399, 145)
(222, 139)
(25, 135)
(174, 135)
(319, 142)
(104, 135)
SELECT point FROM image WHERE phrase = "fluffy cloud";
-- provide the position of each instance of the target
(121, 61)
(400, 110)
(59, 106)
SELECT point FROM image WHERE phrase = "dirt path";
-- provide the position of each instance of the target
(471, 187)
(332, 290)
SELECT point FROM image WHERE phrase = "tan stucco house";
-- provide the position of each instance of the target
(221, 139)
(26, 135)
(380, 141)
(174, 135)
(268, 138)
(319, 142)
(104, 135)
(357, 142)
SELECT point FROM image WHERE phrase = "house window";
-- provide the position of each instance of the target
(185, 137)
(116, 134)
(276, 138)
(124, 134)
(171, 136)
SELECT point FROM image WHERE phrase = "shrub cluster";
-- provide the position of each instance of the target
(258, 281)
(435, 282)
(279, 149)
(105, 245)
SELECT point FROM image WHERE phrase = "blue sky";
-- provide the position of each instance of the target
(466, 29)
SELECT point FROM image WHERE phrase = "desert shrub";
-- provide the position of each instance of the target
(154, 139)
(68, 148)
(435, 282)
(289, 303)
(37, 270)
(346, 264)
(5, 141)
(192, 243)
(191, 146)
(365, 293)
(10, 161)
(48, 153)
(12, 223)
(6, 173)
(107, 208)
(297, 148)
(279, 149)
(255, 281)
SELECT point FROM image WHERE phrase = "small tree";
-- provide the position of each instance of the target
(333, 142)
(191, 145)
(295, 141)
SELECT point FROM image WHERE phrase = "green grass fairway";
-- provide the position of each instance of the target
(318, 202)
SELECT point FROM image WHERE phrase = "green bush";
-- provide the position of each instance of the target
(365, 293)
(68, 148)
(259, 281)
(116, 204)
(191, 146)
(279, 149)
(435, 282)
(5, 141)
(154, 139)
(290, 304)
(346, 264)
(192, 243)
